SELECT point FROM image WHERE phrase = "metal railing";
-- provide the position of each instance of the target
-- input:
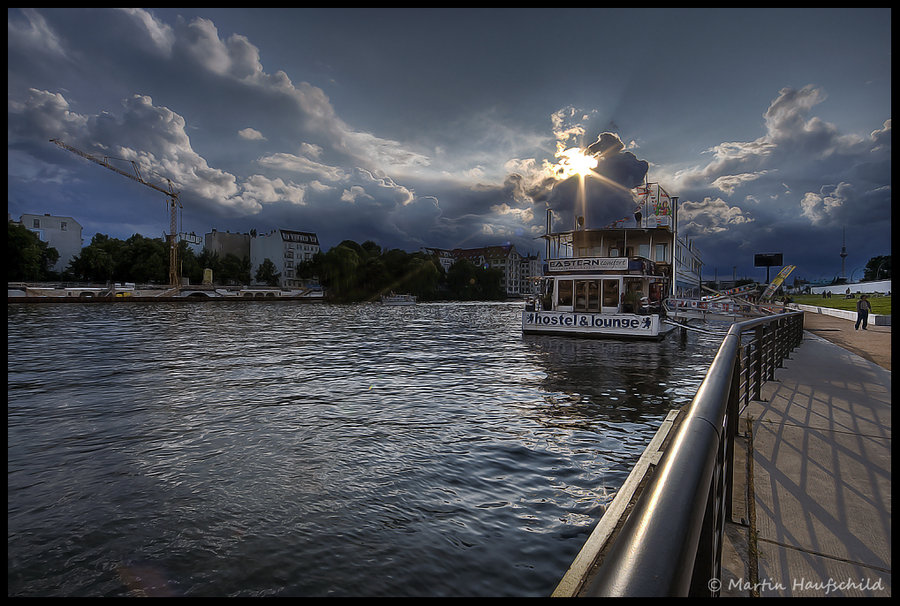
(671, 544)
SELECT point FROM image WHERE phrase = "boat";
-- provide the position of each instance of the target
(613, 281)
(393, 299)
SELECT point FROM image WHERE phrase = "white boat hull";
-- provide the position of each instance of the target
(581, 324)
(398, 300)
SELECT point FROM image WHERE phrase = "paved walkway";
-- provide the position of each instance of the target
(873, 344)
(818, 493)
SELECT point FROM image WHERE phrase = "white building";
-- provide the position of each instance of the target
(444, 257)
(61, 233)
(286, 249)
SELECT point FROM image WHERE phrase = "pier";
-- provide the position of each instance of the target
(800, 508)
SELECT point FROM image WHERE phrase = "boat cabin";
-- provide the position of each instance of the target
(610, 271)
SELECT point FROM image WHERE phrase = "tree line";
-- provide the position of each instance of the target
(362, 272)
(349, 272)
(138, 259)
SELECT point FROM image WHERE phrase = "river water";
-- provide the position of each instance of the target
(256, 449)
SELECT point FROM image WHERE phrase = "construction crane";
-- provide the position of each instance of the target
(171, 193)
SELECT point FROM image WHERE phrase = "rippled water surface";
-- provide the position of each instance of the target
(250, 449)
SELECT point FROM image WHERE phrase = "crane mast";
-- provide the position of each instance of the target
(170, 192)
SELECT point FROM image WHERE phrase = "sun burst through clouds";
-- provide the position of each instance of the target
(573, 161)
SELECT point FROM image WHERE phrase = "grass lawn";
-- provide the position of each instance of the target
(880, 305)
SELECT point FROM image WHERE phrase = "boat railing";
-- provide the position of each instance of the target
(671, 544)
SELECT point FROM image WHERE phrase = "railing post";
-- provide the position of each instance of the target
(759, 339)
(781, 342)
(770, 350)
(731, 426)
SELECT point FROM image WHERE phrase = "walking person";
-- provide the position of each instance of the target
(862, 312)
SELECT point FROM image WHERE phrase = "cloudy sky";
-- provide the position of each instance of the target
(446, 128)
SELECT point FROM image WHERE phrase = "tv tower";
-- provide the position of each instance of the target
(843, 252)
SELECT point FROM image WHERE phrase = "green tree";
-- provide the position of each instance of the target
(469, 282)
(462, 280)
(143, 260)
(236, 270)
(338, 271)
(97, 261)
(27, 258)
(420, 277)
(266, 273)
(354, 272)
(878, 268)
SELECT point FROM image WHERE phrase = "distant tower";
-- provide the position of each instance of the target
(843, 253)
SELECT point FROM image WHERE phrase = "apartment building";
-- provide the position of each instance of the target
(286, 249)
(61, 233)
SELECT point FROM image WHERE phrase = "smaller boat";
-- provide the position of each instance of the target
(393, 299)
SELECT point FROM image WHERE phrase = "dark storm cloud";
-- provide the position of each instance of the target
(607, 144)
(606, 195)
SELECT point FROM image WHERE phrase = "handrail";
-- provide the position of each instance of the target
(671, 544)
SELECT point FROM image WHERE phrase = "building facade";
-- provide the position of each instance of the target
(61, 233)
(444, 257)
(227, 243)
(286, 249)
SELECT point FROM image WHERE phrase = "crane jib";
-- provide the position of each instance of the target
(171, 193)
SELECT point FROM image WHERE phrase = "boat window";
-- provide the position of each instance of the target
(610, 293)
(580, 295)
(565, 292)
(587, 295)
(593, 298)
(662, 253)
